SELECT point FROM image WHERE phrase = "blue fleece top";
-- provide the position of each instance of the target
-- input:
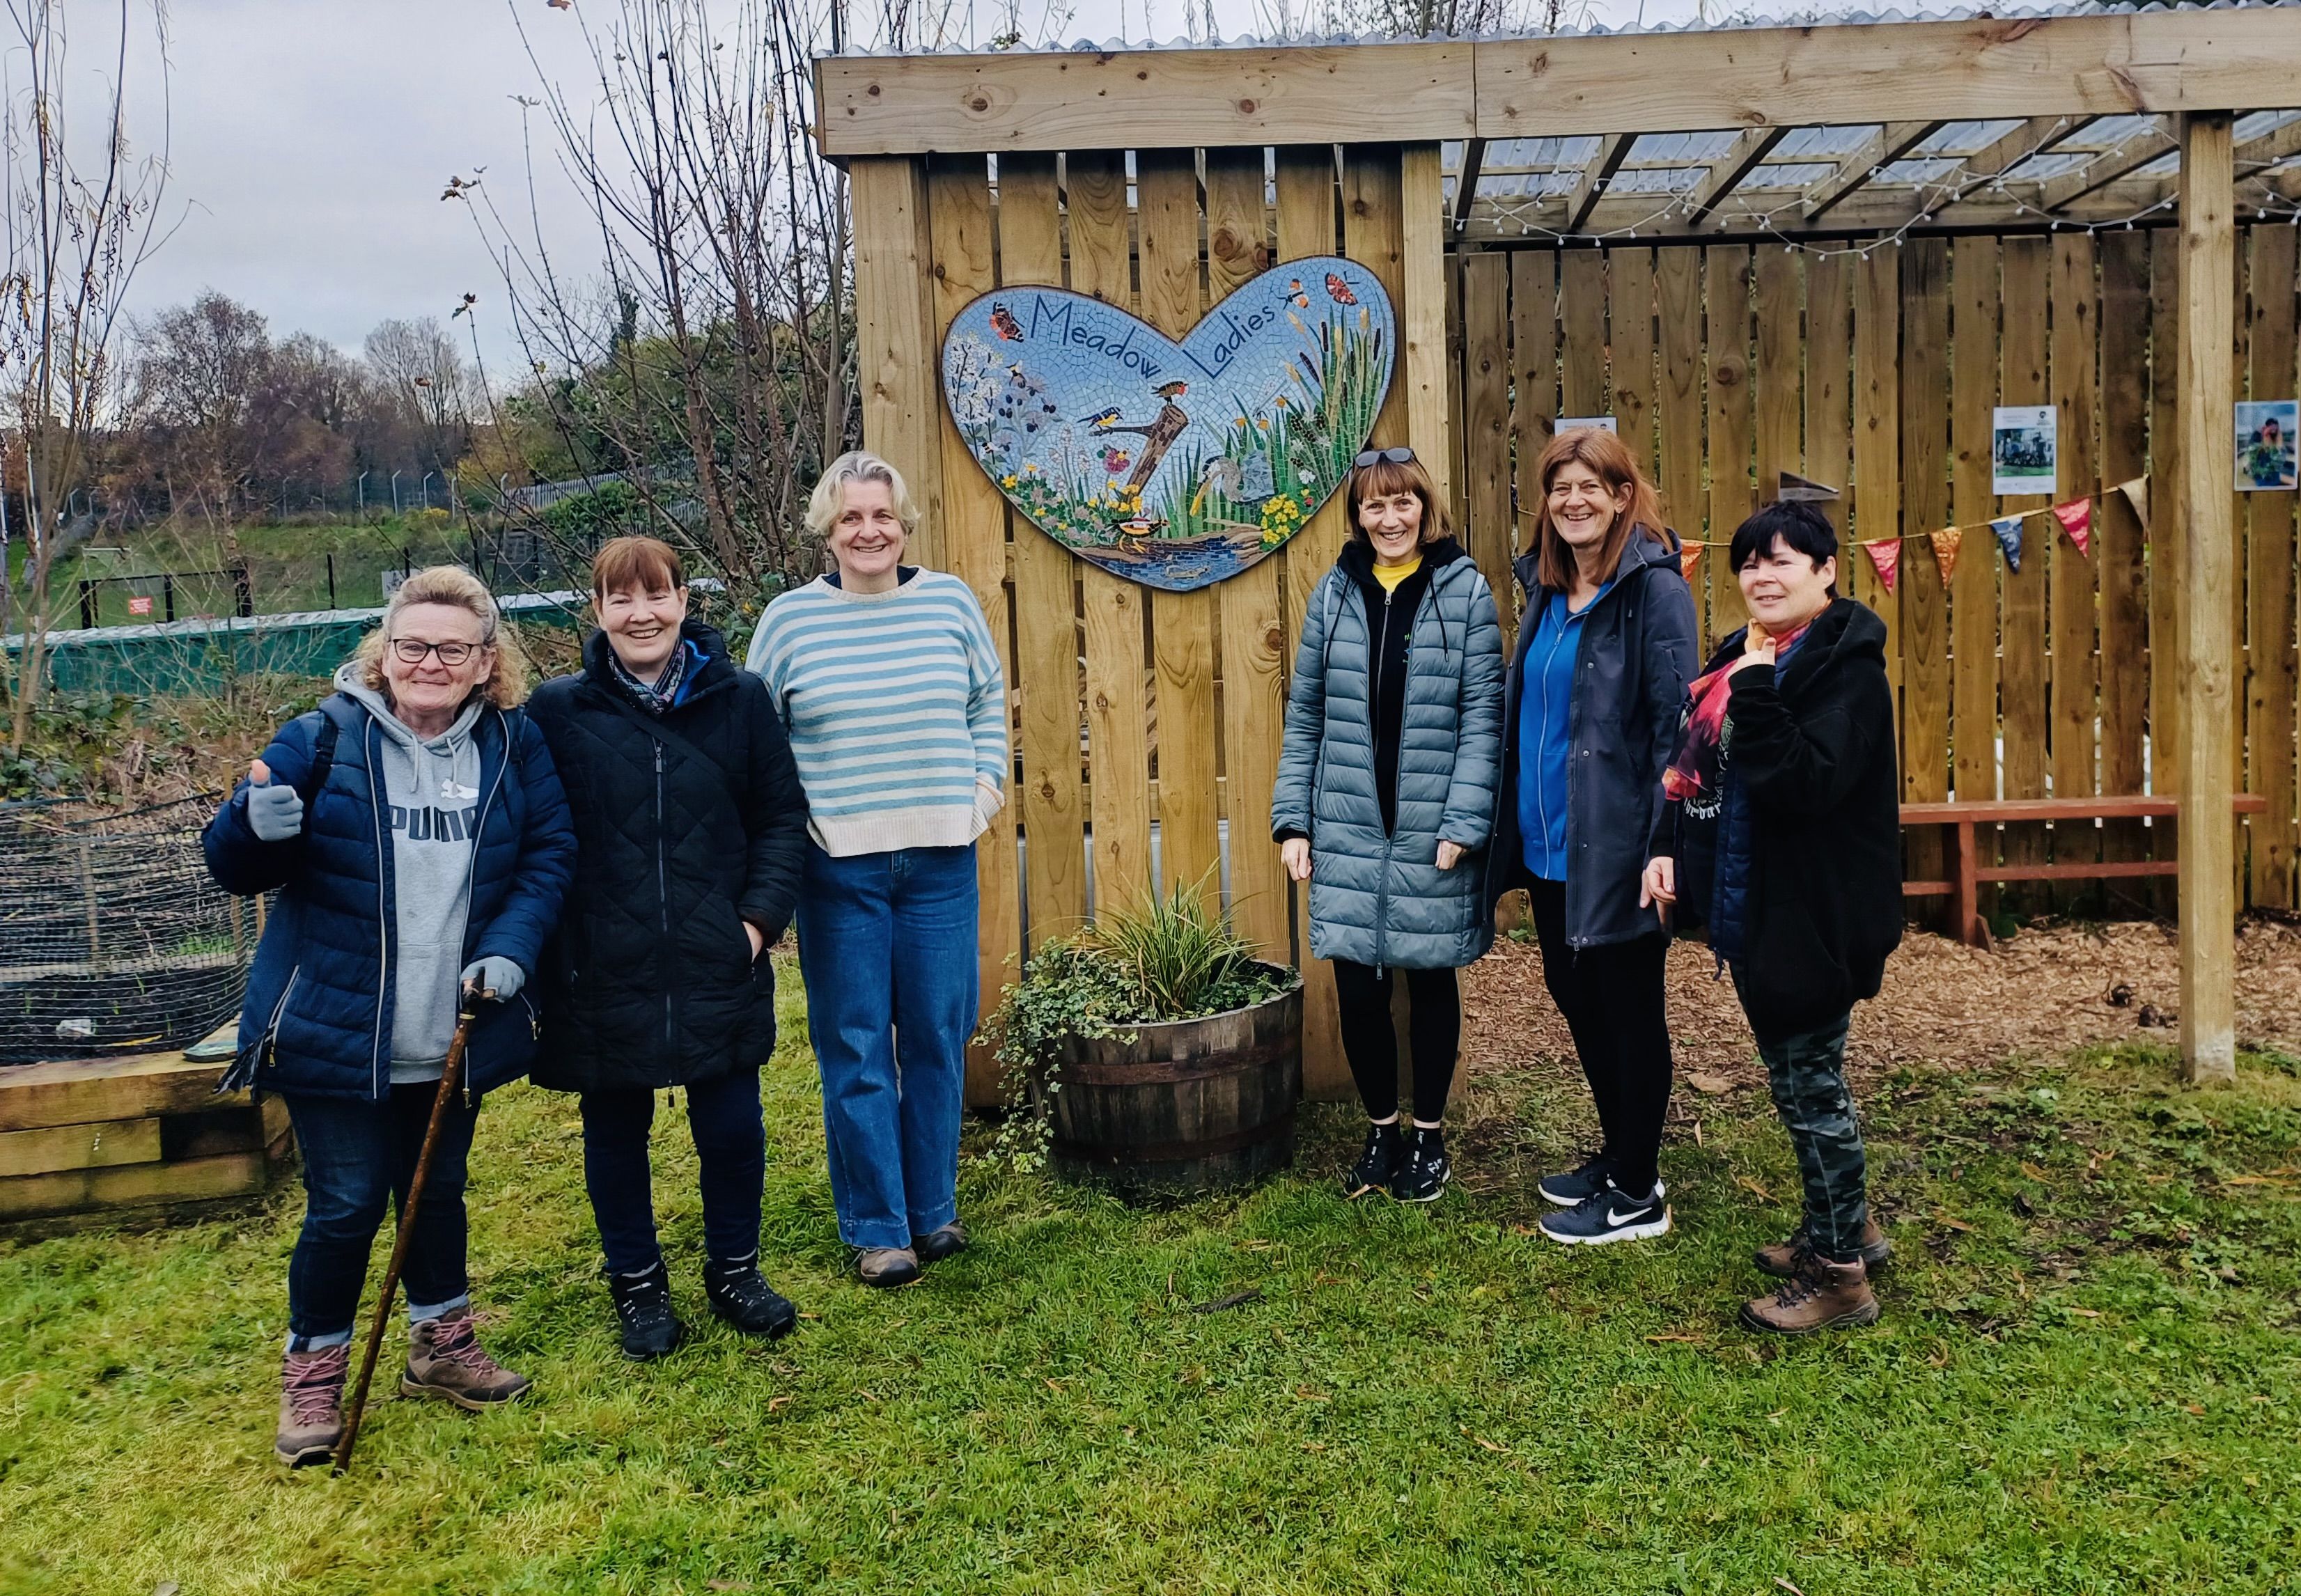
(1545, 727)
(1730, 882)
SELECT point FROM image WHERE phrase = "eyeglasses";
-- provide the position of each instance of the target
(411, 652)
(1397, 456)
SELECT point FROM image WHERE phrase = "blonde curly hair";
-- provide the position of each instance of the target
(451, 585)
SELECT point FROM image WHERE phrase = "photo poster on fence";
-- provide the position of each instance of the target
(2264, 444)
(1578, 423)
(1174, 464)
(2023, 448)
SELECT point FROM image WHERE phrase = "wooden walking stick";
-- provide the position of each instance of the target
(466, 1011)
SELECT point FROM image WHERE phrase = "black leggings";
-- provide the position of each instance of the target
(1434, 1031)
(1612, 999)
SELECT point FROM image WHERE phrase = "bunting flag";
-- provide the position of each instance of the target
(1886, 554)
(1946, 544)
(2076, 520)
(1688, 556)
(2136, 493)
(2008, 529)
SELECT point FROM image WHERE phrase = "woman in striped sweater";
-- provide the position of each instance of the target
(889, 683)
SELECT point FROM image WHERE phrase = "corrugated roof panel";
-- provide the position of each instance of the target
(1963, 138)
(1917, 171)
(1787, 174)
(1824, 141)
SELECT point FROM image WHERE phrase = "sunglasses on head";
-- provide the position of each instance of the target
(1397, 456)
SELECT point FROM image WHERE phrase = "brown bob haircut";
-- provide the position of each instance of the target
(642, 563)
(1609, 459)
(1386, 477)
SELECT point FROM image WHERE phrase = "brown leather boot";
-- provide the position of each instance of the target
(445, 1360)
(312, 1406)
(1821, 1294)
(1781, 1260)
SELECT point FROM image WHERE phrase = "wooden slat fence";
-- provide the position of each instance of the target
(1876, 371)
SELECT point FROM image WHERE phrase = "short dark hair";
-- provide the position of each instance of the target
(1794, 525)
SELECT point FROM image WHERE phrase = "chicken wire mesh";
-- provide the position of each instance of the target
(113, 938)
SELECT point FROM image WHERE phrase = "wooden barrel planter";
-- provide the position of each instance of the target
(1181, 1106)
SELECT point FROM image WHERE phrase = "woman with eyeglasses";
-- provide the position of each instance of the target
(414, 830)
(1591, 711)
(1385, 798)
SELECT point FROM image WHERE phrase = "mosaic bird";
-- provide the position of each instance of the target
(1003, 323)
(1100, 418)
(1338, 290)
(1294, 292)
(1159, 436)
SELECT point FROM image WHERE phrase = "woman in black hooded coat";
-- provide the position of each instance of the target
(689, 826)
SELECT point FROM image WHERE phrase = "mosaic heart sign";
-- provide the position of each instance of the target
(1174, 464)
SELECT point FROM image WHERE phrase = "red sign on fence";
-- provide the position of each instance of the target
(139, 606)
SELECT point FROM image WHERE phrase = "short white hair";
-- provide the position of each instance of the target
(857, 465)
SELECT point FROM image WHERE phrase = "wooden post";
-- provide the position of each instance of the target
(2207, 376)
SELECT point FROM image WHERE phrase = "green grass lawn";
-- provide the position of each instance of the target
(2085, 1379)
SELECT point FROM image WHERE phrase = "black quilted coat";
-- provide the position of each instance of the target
(680, 838)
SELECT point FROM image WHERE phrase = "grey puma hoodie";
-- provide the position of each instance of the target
(432, 801)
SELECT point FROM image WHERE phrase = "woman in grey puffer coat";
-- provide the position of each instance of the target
(1385, 797)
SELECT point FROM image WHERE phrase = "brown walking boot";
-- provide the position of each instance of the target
(445, 1360)
(886, 1265)
(1821, 1294)
(1781, 1260)
(312, 1406)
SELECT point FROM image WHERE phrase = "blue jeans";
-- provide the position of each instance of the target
(886, 943)
(358, 1157)
(723, 1113)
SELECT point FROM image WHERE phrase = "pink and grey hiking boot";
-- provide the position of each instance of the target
(445, 1360)
(311, 1405)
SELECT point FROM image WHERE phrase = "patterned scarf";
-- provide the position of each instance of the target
(1691, 776)
(663, 693)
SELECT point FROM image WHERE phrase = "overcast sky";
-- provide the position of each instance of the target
(311, 139)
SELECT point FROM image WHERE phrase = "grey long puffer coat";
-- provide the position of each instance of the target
(1377, 897)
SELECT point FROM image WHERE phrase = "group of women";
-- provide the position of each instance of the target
(608, 860)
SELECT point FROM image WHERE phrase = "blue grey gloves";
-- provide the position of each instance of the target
(274, 812)
(496, 976)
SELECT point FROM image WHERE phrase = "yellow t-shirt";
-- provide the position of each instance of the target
(1390, 576)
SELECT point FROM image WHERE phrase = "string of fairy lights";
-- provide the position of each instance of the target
(1933, 197)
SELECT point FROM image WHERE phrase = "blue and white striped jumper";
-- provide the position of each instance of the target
(897, 709)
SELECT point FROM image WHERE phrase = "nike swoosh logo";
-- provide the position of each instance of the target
(1614, 1217)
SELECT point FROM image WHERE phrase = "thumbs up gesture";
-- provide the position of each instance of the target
(274, 812)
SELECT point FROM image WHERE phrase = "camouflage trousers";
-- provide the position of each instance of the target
(1807, 1073)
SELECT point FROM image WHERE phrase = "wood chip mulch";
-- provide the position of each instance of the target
(1944, 1005)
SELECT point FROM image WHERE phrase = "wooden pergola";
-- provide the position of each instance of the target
(1827, 136)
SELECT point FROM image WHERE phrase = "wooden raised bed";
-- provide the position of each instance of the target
(140, 1140)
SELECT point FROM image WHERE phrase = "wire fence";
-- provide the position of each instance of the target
(113, 938)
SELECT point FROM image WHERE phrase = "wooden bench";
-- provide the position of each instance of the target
(1968, 869)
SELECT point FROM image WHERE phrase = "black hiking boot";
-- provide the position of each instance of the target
(1422, 1178)
(740, 1295)
(1378, 1163)
(643, 1306)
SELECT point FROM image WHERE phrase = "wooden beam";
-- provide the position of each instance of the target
(895, 352)
(1731, 168)
(2208, 624)
(2101, 171)
(1966, 69)
(1881, 149)
(1422, 318)
(1466, 181)
(1596, 177)
(1146, 99)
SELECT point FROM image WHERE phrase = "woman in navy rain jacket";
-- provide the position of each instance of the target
(415, 832)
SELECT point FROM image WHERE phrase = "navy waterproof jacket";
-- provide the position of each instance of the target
(1636, 654)
(316, 1019)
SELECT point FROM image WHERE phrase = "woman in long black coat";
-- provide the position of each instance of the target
(689, 826)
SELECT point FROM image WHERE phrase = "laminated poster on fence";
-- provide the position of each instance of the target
(2023, 448)
(2264, 444)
